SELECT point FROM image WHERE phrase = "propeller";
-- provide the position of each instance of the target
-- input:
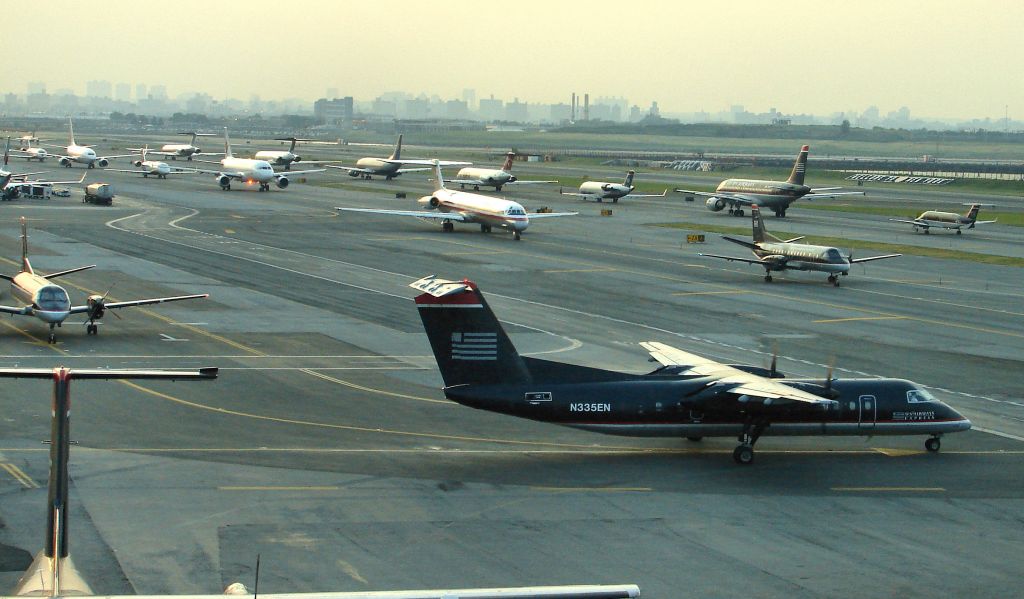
(828, 377)
(773, 372)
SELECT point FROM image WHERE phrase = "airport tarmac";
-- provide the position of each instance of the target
(327, 448)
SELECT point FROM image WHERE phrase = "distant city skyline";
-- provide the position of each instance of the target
(937, 58)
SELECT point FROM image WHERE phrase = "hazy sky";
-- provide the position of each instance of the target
(942, 58)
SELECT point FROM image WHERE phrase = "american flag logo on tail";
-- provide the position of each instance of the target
(475, 346)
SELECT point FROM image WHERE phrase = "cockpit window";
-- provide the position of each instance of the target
(53, 299)
(515, 212)
(833, 255)
(919, 396)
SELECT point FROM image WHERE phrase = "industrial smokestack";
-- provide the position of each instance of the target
(573, 108)
(586, 107)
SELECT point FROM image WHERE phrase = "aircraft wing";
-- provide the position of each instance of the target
(527, 182)
(871, 258)
(534, 215)
(23, 310)
(733, 258)
(234, 175)
(116, 156)
(728, 197)
(41, 182)
(629, 196)
(735, 382)
(452, 216)
(347, 168)
(413, 170)
(15, 176)
(466, 181)
(835, 194)
(142, 302)
(573, 193)
(426, 162)
(985, 222)
(288, 173)
(910, 222)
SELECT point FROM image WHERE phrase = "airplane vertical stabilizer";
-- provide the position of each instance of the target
(757, 222)
(796, 176)
(25, 266)
(469, 343)
(629, 178)
(71, 133)
(972, 214)
(397, 154)
(227, 145)
(438, 177)
(507, 166)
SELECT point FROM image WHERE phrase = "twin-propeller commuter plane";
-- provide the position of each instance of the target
(689, 396)
(448, 207)
(946, 220)
(389, 167)
(83, 154)
(601, 190)
(50, 303)
(777, 195)
(248, 170)
(777, 254)
(491, 177)
(146, 167)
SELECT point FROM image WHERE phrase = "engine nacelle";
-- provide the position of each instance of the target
(103, 162)
(715, 204)
(96, 307)
(223, 180)
(282, 182)
(607, 187)
(65, 161)
(512, 179)
(136, 163)
(354, 173)
(430, 201)
(297, 158)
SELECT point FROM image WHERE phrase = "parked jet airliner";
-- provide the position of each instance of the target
(82, 154)
(248, 170)
(777, 195)
(777, 254)
(491, 177)
(50, 303)
(448, 207)
(601, 190)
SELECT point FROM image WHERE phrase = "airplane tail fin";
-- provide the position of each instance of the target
(291, 148)
(757, 222)
(438, 176)
(972, 214)
(397, 154)
(469, 343)
(796, 176)
(7, 151)
(227, 145)
(71, 133)
(629, 178)
(509, 158)
(25, 265)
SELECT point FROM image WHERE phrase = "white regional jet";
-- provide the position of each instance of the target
(285, 158)
(601, 190)
(29, 151)
(491, 177)
(187, 151)
(448, 207)
(249, 170)
(156, 168)
(50, 303)
(82, 154)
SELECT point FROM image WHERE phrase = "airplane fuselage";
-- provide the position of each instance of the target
(34, 153)
(604, 190)
(49, 302)
(376, 166)
(252, 170)
(153, 167)
(488, 176)
(666, 405)
(800, 256)
(278, 157)
(476, 208)
(184, 150)
(81, 155)
(945, 218)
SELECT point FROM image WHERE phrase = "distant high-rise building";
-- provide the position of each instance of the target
(456, 109)
(561, 112)
(517, 111)
(98, 89)
(140, 91)
(337, 111)
(416, 108)
(36, 87)
(469, 97)
(492, 109)
(123, 92)
(586, 107)
(384, 107)
(635, 113)
(332, 92)
(159, 92)
(654, 111)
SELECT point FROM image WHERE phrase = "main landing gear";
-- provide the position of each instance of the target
(517, 235)
(485, 228)
(780, 213)
(933, 444)
(744, 452)
(52, 339)
(768, 276)
(834, 280)
(264, 186)
(447, 226)
(226, 187)
(736, 212)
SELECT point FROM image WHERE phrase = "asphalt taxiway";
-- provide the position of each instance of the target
(327, 447)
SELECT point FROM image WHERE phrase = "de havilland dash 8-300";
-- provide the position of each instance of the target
(775, 195)
(785, 254)
(50, 303)
(688, 396)
(449, 206)
(248, 170)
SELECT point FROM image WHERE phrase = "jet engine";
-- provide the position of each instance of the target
(103, 162)
(715, 204)
(297, 158)
(431, 201)
(65, 161)
(282, 182)
(354, 173)
(607, 187)
(223, 180)
(137, 163)
(512, 179)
